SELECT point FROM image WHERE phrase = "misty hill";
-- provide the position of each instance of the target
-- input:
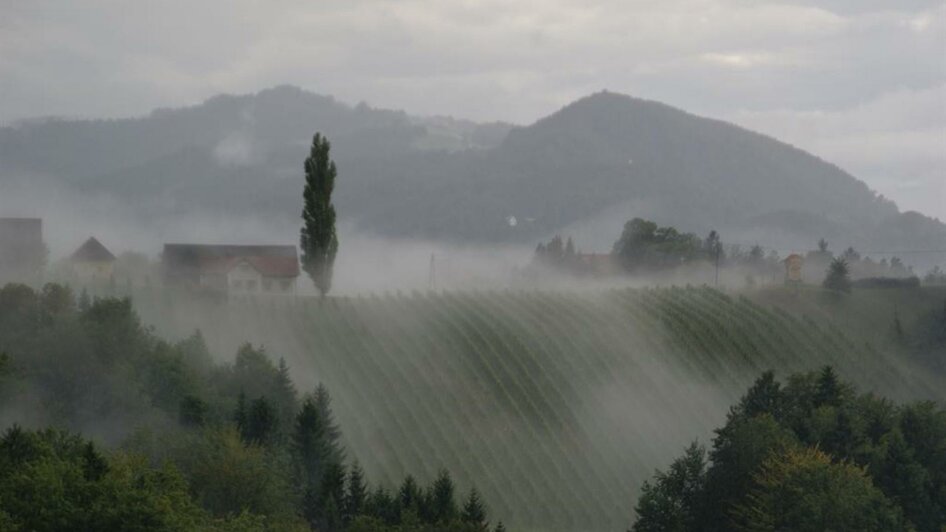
(587, 168)
(555, 406)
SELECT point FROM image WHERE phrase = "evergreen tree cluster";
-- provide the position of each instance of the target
(220, 447)
(859, 267)
(812, 455)
(558, 256)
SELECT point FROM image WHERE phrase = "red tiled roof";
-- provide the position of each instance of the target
(182, 260)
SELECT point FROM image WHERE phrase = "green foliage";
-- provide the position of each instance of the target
(474, 511)
(645, 246)
(52, 480)
(228, 476)
(804, 491)
(260, 423)
(357, 493)
(318, 239)
(193, 412)
(239, 469)
(442, 506)
(838, 278)
(811, 456)
(672, 503)
(430, 380)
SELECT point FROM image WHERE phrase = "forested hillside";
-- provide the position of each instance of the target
(600, 160)
(555, 405)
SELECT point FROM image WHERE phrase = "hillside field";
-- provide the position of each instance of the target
(556, 406)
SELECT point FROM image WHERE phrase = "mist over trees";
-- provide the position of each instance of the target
(413, 177)
(191, 444)
(810, 455)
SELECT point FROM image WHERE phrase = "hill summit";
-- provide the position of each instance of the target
(588, 167)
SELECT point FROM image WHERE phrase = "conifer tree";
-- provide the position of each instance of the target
(474, 511)
(357, 493)
(284, 395)
(500, 527)
(332, 434)
(331, 497)
(318, 239)
(315, 447)
(261, 422)
(409, 495)
(828, 391)
(443, 507)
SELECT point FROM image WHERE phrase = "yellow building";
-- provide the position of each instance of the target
(92, 262)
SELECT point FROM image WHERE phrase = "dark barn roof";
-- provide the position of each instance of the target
(92, 251)
(191, 260)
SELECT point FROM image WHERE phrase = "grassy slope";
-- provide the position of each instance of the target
(556, 406)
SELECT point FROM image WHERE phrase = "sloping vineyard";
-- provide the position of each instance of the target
(556, 406)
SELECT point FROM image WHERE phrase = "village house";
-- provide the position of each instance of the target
(92, 262)
(22, 251)
(232, 269)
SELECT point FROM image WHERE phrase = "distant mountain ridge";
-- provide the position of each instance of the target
(588, 167)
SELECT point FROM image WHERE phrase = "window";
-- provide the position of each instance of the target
(267, 285)
(285, 285)
(251, 285)
(236, 284)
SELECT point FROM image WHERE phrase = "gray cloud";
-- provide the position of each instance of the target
(801, 70)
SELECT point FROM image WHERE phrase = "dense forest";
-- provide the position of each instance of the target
(183, 443)
(814, 454)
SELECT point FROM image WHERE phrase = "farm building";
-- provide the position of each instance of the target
(22, 252)
(92, 262)
(233, 269)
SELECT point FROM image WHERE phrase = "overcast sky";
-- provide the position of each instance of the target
(861, 83)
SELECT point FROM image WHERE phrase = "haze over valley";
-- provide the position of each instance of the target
(473, 267)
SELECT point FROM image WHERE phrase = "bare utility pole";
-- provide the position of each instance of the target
(717, 265)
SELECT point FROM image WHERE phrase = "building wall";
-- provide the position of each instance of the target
(93, 271)
(244, 279)
(279, 285)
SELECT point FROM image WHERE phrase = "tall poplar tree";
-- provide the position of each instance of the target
(318, 239)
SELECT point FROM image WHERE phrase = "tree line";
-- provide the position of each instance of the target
(811, 455)
(174, 441)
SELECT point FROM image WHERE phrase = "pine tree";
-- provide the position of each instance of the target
(500, 527)
(94, 465)
(284, 395)
(357, 493)
(318, 239)
(443, 507)
(332, 434)
(261, 422)
(331, 496)
(314, 444)
(764, 397)
(828, 391)
(474, 512)
(409, 495)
